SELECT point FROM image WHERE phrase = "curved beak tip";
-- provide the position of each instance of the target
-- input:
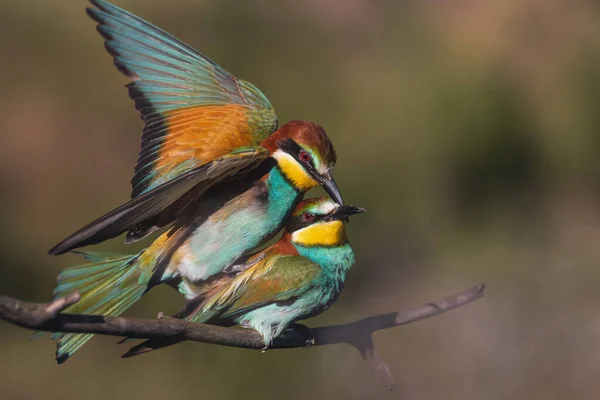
(344, 212)
(332, 190)
(352, 210)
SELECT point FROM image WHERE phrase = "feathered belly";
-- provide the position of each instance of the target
(272, 319)
(240, 226)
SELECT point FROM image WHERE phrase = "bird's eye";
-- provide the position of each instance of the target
(308, 217)
(304, 156)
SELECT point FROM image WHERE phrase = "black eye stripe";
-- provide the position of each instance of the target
(289, 146)
(292, 148)
(298, 222)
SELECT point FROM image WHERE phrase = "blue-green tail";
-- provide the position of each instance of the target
(108, 285)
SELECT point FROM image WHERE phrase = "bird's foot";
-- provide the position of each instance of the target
(305, 331)
(161, 315)
(247, 325)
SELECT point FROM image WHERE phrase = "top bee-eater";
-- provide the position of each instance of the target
(210, 142)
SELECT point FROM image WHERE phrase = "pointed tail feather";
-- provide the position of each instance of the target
(108, 286)
(153, 344)
(69, 343)
(150, 345)
(159, 343)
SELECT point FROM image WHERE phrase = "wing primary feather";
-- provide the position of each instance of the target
(148, 206)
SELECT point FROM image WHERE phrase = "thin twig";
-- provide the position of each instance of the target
(48, 317)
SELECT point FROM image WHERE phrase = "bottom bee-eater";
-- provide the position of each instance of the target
(298, 277)
(308, 264)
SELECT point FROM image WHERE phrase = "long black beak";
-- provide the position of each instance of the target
(343, 212)
(330, 187)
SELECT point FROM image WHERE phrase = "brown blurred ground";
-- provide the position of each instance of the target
(470, 131)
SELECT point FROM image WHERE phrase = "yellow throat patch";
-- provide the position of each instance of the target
(331, 233)
(294, 171)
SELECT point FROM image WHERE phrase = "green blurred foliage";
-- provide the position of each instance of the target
(468, 129)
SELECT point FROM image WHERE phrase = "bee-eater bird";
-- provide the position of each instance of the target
(296, 278)
(212, 164)
(210, 140)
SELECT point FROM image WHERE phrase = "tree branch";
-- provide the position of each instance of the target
(48, 317)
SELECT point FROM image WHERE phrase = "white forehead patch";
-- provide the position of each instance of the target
(323, 169)
(325, 207)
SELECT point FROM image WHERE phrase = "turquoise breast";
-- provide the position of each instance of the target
(240, 226)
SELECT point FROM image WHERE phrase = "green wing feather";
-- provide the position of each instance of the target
(169, 75)
(278, 278)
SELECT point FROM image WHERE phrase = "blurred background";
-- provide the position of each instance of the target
(468, 129)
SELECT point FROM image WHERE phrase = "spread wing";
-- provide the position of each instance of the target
(170, 196)
(201, 125)
(193, 110)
